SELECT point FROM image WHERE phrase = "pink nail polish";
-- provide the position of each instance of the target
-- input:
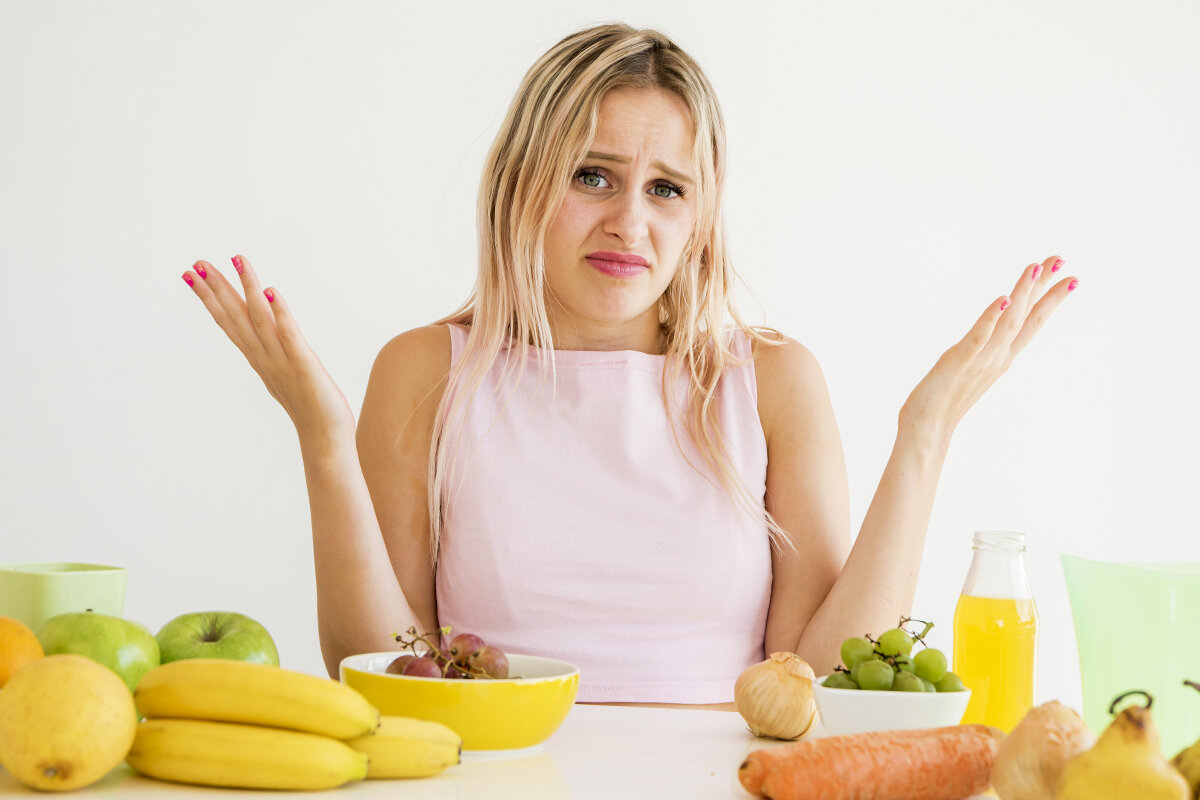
(1036, 272)
(1072, 286)
(237, 264)
(201, 271)
(1058, 262)
(187, 279)
(1003, 305)
(270, 295)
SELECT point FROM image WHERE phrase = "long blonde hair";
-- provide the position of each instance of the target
(542, 141)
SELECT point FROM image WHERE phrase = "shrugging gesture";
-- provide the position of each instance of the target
(966, 370)
(263, 328)
(826, 590)
(357, 589)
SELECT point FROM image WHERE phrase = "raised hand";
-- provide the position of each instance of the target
(966, 370)
(264, 329)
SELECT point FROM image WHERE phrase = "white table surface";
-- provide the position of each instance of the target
(599, 752)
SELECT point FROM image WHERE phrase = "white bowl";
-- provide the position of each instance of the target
(859, 710)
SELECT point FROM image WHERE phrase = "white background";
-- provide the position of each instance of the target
(893, 168)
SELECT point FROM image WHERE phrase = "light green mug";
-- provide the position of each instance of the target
(32, 593)
(1138, 627)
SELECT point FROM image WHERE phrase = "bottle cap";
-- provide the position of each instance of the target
(999, 540)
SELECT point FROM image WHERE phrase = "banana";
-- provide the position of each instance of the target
(403, 747)
(257, 694)
(242, 756)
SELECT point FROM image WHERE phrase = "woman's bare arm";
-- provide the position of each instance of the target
(826, 591)
(394, 432)
(359, 600)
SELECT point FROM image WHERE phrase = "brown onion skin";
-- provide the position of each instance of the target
(1031, 758)
(775, 697)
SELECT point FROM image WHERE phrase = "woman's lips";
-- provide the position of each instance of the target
(618, 265)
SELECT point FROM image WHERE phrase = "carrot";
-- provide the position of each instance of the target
(754, 769)
(933, 764)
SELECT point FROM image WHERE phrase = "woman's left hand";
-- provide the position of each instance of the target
(966, 370)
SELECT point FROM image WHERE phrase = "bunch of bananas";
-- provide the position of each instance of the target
(216, 722)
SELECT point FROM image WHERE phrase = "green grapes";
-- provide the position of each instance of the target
(840, 680)
(895, 642)
(876, 676)
(857, 649)
(930, 664)
(887, 664)
(949, 683)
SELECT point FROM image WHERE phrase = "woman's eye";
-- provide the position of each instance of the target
(592, 180)
(666, 190)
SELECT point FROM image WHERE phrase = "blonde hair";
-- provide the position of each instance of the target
(541, 143)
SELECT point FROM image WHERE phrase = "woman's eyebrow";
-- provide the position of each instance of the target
(676, 174)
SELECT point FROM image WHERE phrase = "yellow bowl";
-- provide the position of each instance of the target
(500, 714)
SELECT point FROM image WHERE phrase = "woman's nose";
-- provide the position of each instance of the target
(628, 218)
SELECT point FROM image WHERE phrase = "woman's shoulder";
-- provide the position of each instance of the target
(787, 374)
(780, 357)
(424, 350)
(412, 364)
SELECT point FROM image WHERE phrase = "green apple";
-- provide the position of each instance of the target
(216, 634)
(122, 645)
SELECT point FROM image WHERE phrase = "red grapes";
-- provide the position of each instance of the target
(467, 656)
(423, 668)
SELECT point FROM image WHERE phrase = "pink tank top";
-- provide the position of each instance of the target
(575, 529)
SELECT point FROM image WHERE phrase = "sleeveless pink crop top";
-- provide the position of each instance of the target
(575, 529)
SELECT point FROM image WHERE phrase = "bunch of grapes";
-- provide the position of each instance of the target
(887, 664)
(467, 656)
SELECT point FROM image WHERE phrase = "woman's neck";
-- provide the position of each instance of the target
(645, 335)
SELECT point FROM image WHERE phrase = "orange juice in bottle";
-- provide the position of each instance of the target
(995, 632)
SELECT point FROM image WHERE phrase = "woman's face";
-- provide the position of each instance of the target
(623, 225)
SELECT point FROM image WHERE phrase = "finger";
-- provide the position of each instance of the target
(258, 307)
(238, 309)
(1042, 311)
(981, 332)
(1022, 298)
(1040, 275)
(230, 315)
(1052, 265)
(1045, 274)
(290, 338)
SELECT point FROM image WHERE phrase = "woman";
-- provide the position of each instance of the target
(595, 458)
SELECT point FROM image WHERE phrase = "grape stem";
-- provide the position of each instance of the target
(920, 637)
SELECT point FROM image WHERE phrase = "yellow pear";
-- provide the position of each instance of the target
(1187, 760)
(1125, 762)
(65, 722)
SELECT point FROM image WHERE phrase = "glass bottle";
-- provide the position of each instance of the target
(995, 632)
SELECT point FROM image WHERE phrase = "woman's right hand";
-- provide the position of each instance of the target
(265, 331)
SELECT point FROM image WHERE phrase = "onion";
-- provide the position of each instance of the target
(1032, 757)
(775, 696)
